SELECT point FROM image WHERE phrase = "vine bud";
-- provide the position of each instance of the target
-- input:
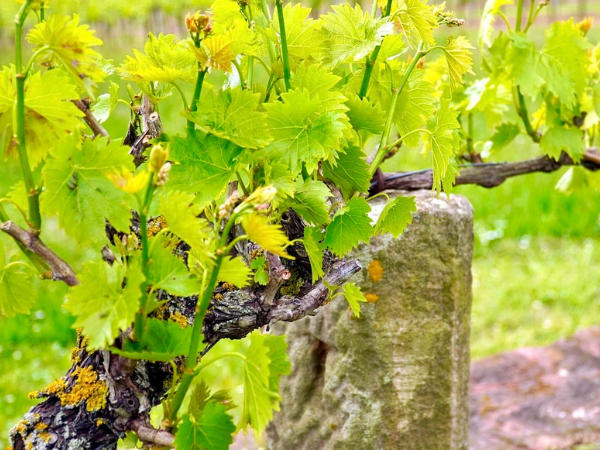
(197, 22)
(261, 196)
(585, 24)
(158, 158)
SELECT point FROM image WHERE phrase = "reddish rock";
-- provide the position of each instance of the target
(538, 398)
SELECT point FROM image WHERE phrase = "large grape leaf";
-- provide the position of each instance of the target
(350, 226)
(103, 303)
(232, 114)
(235, 271)
(561, 65)
(320, 82)
(558, 138)
(301, 131)
(310, 201)
(365, 115)
(78, 191)
(203, 165)
(49, 114)
(350, 171)
(352, 34)
(165, 59)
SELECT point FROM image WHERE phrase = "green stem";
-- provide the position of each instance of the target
(204, 365)
(372, 59)
(383, 147)
(241, 74)
(140, 317)
(519, 15)
(284, 48)
(42, 11)
(182, 95)
(531, 15)
(191, 126)
(524, 115)
(201, 308)
(401, 138)
(470, 148)
(503, 16)
(33, 194)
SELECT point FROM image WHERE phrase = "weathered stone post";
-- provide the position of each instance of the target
(397, 377)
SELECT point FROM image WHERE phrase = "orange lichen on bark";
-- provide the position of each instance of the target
(155, 225)
(88, 388)
(371, 297)
(375, 271)
(179, 319)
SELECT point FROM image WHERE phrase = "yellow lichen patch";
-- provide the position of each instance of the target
(54, 388)
(100, 422)
(45, 436)
(219, 297)
(229, 286)
(22, 427)
(179, 319)
(155, 225)
(160, 312)
(87, 388)
(375, 271)
(371, 297)
(41, 426)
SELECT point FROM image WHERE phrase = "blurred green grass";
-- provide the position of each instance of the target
(536, 266)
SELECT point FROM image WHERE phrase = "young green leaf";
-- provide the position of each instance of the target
(442, 142)
(48, 113)
(235, 271)
(486, 27)
(396, 215)
(314, 248)
(270, 237)
(459, 59)
(106, 103)
(261, 274)
(232, 115)
(212, 431)
(354, 296)
(301, 132)
(310, 201)
(62, 41)
(365, 115)
(350, 226)
(416, 104)
(304, 40)
(162, 341)
(416, 19)
(320, 82)
(78, 191)
(181, 214)
(103, 303)
(265, 362)
(16, 287)
(352, 34)
(214, 53)
(350, 172)
(168, 272)
(203, 165)
(165, 59)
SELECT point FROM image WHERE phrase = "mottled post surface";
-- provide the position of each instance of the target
(397, 377)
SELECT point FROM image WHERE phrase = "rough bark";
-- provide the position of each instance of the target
(103, 395)
(484, 174)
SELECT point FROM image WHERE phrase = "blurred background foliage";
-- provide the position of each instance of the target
(537, 251)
